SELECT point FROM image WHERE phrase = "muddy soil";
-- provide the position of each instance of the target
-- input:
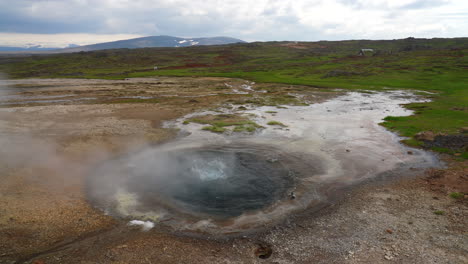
(48, 147)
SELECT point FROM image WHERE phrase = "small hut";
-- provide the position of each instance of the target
(364, 52)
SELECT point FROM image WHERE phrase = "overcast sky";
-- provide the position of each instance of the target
(58, 23)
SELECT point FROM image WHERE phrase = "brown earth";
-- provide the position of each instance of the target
(47, 149)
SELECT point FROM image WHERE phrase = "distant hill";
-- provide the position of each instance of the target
(20, 49)
(32, 49)
(144, 42)
(154, 41)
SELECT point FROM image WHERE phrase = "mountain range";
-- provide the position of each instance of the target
(144, 42)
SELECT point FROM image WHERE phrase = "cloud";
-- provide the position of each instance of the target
(245, 19)
(421, 4)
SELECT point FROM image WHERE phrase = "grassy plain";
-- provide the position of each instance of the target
(437, 66)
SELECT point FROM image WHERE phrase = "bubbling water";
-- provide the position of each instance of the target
(218, 183)
(209, 170)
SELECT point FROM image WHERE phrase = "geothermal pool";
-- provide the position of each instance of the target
(235, 183)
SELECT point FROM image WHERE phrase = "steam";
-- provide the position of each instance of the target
(36, 157)
(145, 225)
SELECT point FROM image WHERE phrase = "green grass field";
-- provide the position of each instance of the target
(439, 66)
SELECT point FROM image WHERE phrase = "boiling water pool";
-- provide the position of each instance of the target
(188, 184)
(221, 182)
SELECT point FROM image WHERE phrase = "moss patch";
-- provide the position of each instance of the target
(456, 195)
(276, 123)
(439, 212)
(225, 122)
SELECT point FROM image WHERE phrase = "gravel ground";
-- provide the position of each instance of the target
(45, 218)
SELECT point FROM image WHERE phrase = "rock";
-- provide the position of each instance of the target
(458, 108)
(456, 142)
(410, 152)
(292, 196)
(110, 255)
(425, 136)
(272, 160)
(263, 251)
(389, 231)
(348, 150)
(464, 130)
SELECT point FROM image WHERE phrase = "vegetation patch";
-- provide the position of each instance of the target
(214, 129)
(276, 99)
(225, 122)
(276, 123)
(456, 195)
(439, 212)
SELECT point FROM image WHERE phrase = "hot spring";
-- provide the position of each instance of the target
(224, 184)
(220, 182)
(182, 186)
